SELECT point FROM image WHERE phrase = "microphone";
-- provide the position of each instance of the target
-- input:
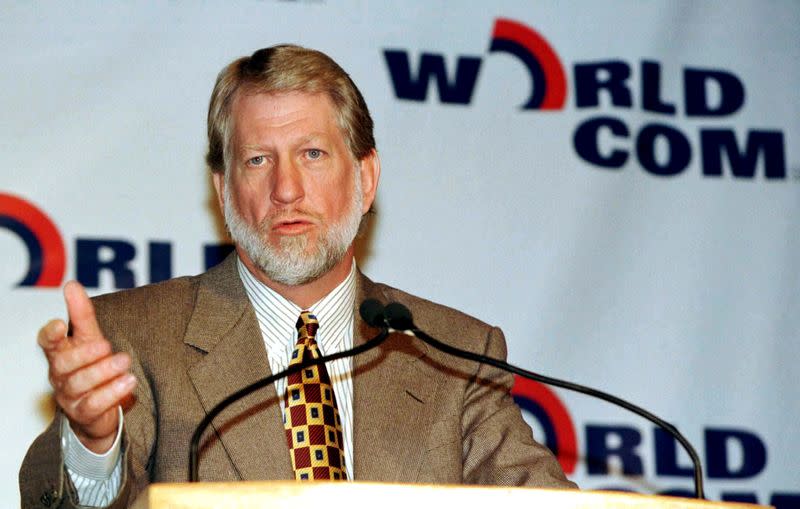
(371, 311)
(398, 317)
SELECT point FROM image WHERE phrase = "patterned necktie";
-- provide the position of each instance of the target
(311, 418)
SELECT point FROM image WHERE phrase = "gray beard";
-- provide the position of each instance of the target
(290, 263)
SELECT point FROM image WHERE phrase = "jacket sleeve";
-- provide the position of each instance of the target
(43, 479)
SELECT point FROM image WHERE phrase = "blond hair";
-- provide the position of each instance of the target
(286, 68)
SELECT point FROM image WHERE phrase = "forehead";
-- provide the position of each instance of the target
(283, 113)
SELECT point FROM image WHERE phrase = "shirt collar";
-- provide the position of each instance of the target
(334, 311)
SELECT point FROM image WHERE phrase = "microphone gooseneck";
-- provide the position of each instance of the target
(398, 317)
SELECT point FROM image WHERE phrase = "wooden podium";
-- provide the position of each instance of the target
(354, 495)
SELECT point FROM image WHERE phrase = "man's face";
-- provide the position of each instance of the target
(293, 196)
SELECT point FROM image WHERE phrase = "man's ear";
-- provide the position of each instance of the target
(219, 184)
(370, 169)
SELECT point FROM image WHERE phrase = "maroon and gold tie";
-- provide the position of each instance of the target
(311, 418)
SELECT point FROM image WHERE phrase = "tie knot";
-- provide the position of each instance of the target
(307, 325)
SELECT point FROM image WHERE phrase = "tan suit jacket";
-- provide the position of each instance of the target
(418, 415)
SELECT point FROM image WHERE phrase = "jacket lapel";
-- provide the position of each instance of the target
(224, 325)
(391, 401)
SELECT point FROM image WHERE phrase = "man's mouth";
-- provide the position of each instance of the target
(292, 226)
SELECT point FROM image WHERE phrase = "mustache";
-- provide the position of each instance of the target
(280, 216)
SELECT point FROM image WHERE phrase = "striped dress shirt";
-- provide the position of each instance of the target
(277, 317)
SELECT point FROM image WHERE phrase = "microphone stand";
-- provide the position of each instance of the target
(397, 318)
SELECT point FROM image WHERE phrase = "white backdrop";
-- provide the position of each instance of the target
(678, 292)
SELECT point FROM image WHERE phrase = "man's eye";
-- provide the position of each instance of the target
(314, 153)
(256, 161)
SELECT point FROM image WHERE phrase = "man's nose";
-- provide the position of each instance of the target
(287, 183)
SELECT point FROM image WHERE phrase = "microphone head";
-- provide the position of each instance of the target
(372, 312)
(398, 316)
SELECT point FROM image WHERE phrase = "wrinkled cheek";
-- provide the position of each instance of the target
(252, 207)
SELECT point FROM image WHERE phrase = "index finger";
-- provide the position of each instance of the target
(82, 318)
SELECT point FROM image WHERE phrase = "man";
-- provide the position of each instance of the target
(295, 169)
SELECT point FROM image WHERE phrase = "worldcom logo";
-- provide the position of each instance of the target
(93, 256)
(607, 90)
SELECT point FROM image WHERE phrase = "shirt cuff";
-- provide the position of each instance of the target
(80, 460)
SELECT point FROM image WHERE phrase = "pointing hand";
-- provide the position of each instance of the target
(88, 379)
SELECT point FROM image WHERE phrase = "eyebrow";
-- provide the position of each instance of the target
(251, 147)
(313, 137)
